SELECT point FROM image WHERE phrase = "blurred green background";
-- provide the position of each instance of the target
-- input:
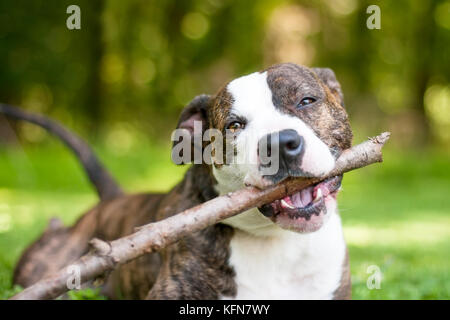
(121, 81)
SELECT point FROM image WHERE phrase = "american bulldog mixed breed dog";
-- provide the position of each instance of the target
(292, 248)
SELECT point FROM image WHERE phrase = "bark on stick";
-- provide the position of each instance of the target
(105, 256)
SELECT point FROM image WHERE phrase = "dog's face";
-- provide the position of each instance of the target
(295, 116)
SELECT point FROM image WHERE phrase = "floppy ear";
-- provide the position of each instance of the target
(329, 78)
(194, 115)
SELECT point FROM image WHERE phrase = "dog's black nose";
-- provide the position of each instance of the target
(290, 144)
(280, 154)
(287, 144)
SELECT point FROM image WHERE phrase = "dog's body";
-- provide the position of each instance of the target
(290, 249)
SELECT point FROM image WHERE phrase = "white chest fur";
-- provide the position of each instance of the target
(289, 265)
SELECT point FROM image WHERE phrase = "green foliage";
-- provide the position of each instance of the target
(139, 62)
(86, 294)
(9, 292)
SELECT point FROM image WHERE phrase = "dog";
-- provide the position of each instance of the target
(293, 248)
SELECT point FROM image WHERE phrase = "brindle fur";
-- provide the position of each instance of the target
(327, 116)
(197, 266)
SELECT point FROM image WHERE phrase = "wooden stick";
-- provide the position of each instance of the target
(105, 256)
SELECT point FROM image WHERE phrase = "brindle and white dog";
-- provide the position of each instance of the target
(292, 248)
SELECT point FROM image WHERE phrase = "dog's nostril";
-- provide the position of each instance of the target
(291, 145)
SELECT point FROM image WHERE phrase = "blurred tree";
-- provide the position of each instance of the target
(138, 62)
(92, 104)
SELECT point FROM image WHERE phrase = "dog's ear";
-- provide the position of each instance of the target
(329, 78)
(194, 114)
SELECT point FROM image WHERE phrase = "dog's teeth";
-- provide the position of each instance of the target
(318, 195)
(286, 205)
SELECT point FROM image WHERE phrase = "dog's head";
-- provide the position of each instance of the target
(286, 121)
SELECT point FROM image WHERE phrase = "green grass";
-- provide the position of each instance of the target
(396, 215)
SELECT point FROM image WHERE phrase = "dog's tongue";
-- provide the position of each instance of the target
(303, 197)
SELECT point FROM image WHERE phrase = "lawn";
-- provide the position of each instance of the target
(396, 215)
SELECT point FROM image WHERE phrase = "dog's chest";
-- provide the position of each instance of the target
(291, 266)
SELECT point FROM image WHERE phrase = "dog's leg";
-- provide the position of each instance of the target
(55, 249)
(59, 246)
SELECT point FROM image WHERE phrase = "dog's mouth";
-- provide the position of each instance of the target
(304, 210)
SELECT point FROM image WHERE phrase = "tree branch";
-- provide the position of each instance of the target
(105, 256)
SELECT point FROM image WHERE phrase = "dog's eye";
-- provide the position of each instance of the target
(235, 126)
(306, 101)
